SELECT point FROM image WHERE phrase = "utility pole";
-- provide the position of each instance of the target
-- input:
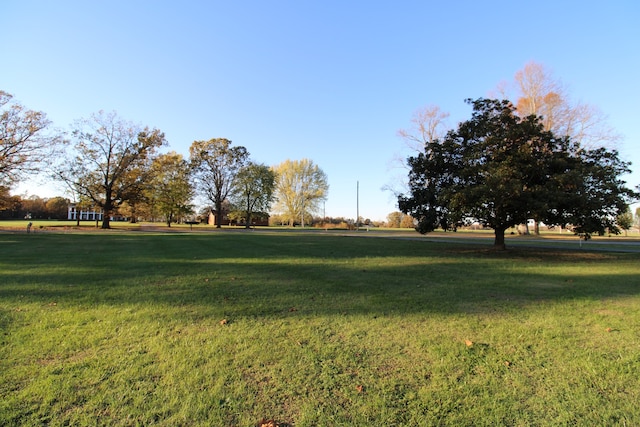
(357, 205)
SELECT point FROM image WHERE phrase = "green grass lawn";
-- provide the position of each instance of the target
(229, 328)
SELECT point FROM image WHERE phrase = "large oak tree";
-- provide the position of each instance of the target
(25, 144)
(216, 164)
(109, 164)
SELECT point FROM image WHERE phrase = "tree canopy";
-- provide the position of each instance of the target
(110, 161)
(300, 187)
(501, 169)
(24, 143)
(254, 190)
(170, 192)
(216, 164)
(540, 93)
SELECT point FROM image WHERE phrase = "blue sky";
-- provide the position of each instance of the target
(332, 81)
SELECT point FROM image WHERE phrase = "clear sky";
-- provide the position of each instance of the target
(332, 81)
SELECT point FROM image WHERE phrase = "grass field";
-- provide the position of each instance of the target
(231, 328)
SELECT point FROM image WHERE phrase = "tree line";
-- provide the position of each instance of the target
(34, 207)
(113, 165)
(538, 156)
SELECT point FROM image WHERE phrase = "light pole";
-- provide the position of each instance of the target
(357, 205)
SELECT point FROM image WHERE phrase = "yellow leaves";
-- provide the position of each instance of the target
(300, 186)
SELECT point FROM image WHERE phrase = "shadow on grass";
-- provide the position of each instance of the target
(253, 275)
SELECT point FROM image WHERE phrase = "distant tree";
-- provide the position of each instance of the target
(170, 191)
(498, 169)
(625, 220)
(540, 93)
(9, 205)
(25, 145)
(300, 187)
(407, 222)
(57, 207)
(394, 219)
(427, 124)
(399, 220)
(637, 217)
(254, 190)
(108, 162)
(34, 207)
(215, 164)
(137, 181)
(277, 219)
(7, 201)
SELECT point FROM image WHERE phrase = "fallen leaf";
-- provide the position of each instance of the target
(224, 321)
(469, 343)
(360, 388)
(609, 329)
(507, 363)
(292, 309)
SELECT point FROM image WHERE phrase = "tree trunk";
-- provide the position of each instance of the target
(106, 221)
(248, 212)
(218, 213)
(106, 210)
(133, 217)
(106, 216)
(498, 243)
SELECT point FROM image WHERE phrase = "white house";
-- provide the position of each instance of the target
(83, 214)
